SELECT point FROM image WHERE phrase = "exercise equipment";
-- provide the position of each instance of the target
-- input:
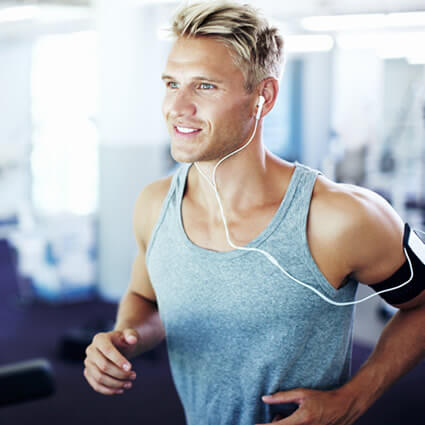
(26, 381)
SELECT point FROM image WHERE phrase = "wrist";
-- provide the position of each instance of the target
(122, 325)
(362, 391)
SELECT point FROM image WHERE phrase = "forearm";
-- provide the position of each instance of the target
(142, 315)
(400, 347)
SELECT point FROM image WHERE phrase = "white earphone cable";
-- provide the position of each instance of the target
(270, 257)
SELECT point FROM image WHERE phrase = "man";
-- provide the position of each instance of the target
(237, 327)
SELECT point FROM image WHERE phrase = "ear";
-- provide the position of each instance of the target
(268, 88)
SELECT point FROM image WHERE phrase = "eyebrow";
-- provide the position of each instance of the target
(166, 77)
(195, 78)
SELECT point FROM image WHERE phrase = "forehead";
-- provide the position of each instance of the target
(202, 55)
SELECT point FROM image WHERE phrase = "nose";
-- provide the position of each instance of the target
(180, 104)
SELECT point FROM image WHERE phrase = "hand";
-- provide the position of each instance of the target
(107, 369)
(315, 407)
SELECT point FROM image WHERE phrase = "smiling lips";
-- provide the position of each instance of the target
(186, 130)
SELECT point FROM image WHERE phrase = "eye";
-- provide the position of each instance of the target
(206, 86)
(172, 85)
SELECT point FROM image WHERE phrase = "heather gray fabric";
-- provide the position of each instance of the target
(236, 327)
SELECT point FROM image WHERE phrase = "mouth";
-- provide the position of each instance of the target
(186, 131)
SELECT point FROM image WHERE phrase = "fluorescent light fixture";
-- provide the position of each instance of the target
(408, 19)
(366, 41)
(341, 22)
(363, 21)
(19, 13)
(402, 40)
(416, 60)
(308, 43)
(43, 13)
(387, 44)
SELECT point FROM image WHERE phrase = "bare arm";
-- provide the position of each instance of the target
(402, 343)
(135, 312)
(138, 326)
(400, 348)
(138, 310)
(370, 248)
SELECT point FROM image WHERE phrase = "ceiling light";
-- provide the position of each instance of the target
(363, 21)
(308, 43)
(387, 45)
(416, 59)
(408, 19)
(341, 22)
(19, 13)
(402, 40)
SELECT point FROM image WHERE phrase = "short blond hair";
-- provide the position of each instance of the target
(255, 45)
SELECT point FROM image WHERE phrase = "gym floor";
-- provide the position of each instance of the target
(32, 330)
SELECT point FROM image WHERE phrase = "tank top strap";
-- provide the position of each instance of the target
(175, 193)
(300, 205)
(180, 181)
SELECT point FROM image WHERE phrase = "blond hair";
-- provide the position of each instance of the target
(256, 46)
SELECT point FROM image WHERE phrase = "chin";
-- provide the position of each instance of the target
(180, 156)
(190, 153)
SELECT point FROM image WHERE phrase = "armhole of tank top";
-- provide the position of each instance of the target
(346, 292)
(309, 260)
(163, 211)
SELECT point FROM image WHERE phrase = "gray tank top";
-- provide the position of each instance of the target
(236, 327)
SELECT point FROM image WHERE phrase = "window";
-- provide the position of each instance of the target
(64, 100)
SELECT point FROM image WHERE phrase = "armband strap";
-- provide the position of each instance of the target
(407, 285)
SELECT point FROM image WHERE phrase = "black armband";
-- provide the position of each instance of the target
(409, 280)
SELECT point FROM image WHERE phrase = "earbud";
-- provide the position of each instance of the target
(261, 101)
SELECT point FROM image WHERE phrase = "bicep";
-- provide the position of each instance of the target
(377, 240)
(140, 282)
(410, 293)
(146, 213)
(384, 261)
(418, 301)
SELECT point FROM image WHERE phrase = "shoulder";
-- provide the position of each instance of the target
(351, 205)
(154, 193)
(148, 208)
(366, 232)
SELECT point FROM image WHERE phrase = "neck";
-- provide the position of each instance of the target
(240, 179)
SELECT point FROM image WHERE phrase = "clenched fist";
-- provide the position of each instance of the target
(107, 368)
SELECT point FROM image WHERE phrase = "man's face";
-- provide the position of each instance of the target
(206, 107)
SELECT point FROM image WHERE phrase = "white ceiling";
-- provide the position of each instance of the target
(282, 8)
(285, 9)
(77, 14)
